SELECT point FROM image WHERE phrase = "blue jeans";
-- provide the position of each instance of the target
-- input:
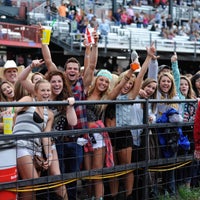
(70, 156)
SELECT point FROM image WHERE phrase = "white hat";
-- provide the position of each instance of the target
(10, 64)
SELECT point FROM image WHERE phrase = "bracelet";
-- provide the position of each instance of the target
(87, 55)
(49, 155)
(126, 78)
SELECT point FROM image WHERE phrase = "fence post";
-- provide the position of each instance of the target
(146, 131)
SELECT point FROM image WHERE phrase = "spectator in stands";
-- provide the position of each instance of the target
(73, 24)
(47, 8)
(116, 17)
(104, 29)
(123, 18)
(138, 19)
(195, 80)
(169, 22)
(93, 22)
(193, 36)
(38, 119)
(90, 14)
(83, 24)
(80, 86)
(130, 14)
(62, 11)
(54, 11)
(157, 18)
(10, 71)
(194, 25)
(145, 20)
(71, 7)
(163, 22)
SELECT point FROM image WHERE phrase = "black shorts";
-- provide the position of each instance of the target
(121, 139)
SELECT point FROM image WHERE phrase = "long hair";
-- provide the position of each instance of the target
(19, 91)
(100, 107)
(190, 94)
(66, 91)
(154, 95)
(193, 81)
(3, 98)
(172, 91)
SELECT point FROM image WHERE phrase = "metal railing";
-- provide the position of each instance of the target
(146, 165)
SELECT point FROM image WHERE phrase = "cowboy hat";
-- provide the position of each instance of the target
(10, 64)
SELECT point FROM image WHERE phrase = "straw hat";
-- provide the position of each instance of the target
(10, 64)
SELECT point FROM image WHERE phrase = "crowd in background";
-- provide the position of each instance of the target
(124, 16)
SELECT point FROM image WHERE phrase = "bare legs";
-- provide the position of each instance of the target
(96, 161)
(55, 170)
(27, 171)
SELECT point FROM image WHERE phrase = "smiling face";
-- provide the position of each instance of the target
(150, 89)
(8, 91)
(102, 83)
(43, 91)
(72, 71)
(11, 75)
(56, 85)
(184, 87)
(165, 84)
(127, 87)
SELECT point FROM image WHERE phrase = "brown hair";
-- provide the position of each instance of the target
(66, 91)
(154, 96)
(190, 94)
(72, 60)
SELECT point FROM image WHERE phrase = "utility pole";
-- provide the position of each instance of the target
(114, 6)
(170, 11)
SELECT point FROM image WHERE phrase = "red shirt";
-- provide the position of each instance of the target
(197, 128)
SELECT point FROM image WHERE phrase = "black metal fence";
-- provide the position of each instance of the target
(142, 169)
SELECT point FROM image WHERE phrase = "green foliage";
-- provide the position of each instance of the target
(183, 193)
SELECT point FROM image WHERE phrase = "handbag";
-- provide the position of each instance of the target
(38, 162)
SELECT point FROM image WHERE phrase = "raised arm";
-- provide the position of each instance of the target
(27, 84)
(139, 79)
(89, 71)
(47, 58)
(86, 57)
(117, 89)
(176, 72)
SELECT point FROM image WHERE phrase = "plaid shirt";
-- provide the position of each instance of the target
(78, 91)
